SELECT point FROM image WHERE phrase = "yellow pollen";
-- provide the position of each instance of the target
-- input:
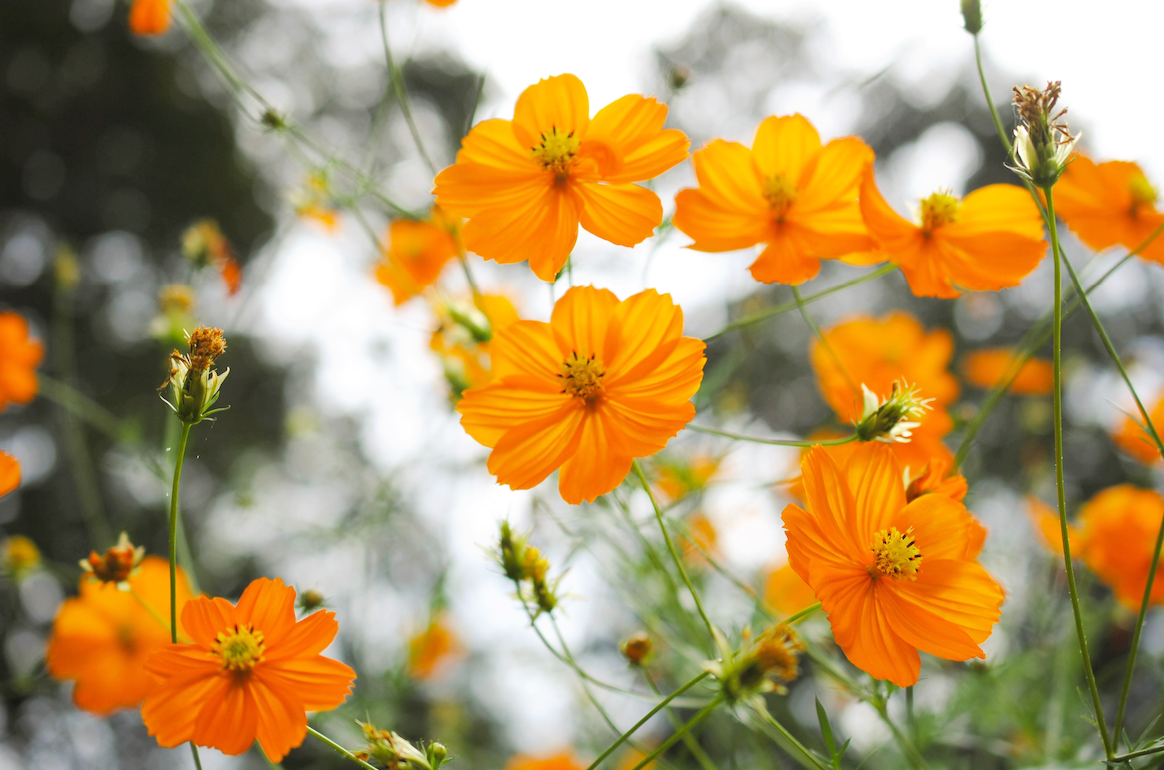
(240, 648)
(582, 377)
(895, 555)
(556, 152)
(939, 209)
(781, 194)
(1143, 193)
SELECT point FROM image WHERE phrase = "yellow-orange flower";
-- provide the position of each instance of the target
(416, 253)
(787, 192)
(149, 17)
(526, 184)
(1109, 204)
(204, 244)
(103, 637)
(878, 352)
(433, 649)
(988, 241)
(986, 368)
(251, 673)
(699, 539)
(602, 383)
(462, 338)
(894, 577)
(9, 473)
(19, 357)
(1132, 438)
(786, 592)
(679, 477)
(562, 761)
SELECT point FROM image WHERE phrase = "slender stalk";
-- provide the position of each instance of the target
(1060, 492)
(907, 746)
(339, 749)
(671, 547)
(1122, 758)
(812, 325)
(772, 441)
(799, 616)
(686, 728)
(174, 531)
(397, 79)
(688, 740)
(812, 760)
(67, 397)
(990, 101)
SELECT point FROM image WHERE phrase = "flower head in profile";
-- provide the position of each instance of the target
(1133, 438)
(116, 565)
(102, 638)
(204, 244)
(19, 357)
(1110, 204)
(987, 241)
(762, 664)
(416, 252)
(390, 750)
(525, 184)
(463, 336)
(788, 192)
(175, 313)
(149, 17)
(602, 383)
(895, 577)
(193, 381)
(987, 368)
(251, 672)
(1042, 142)
(893, 418)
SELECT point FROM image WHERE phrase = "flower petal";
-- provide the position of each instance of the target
(558, 102)
(715, 226)
(959, 592)
(489, 411)
(281, 723)
(269, 606)
(835, 178)
(308, 637)
(227, 718)
(631, 128)
(493, 143)
(642, 333)
(875, 476)
(526, 348)
(595, 468)
(526, 454)
(580, 320)
(785, 145)
(787, 259)
(320, 683)
(624, 214)
(542, 229)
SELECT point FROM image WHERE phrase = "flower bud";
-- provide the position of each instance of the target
(761, 665)
(972, 16)
(637, 648)
(311, 600)
(893, 419)
(19, 556)
(117, 565)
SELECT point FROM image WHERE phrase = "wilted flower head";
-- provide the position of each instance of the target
(894, 418)
(763, 664)
(194, 383)
(1042, 142)
(390, 750)
(118, 563)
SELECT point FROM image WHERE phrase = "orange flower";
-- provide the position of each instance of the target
(678, 478)
(936, 479)
(787, 192)
(103, 637)
(526, 184)
(986, 368)
(604, 382)
(878, 352)
(1046, 521)
(702, 539)
(894, 577)
(462, 338)
(563, 761)
(416, 253)
(204, 244)
(786, 592)
(19, 557)
(986, 242)
(1109, 204)
(251, 673)
(149, 17)
(1133, 439)
(9, 473)
(19, 357)
(432, 649)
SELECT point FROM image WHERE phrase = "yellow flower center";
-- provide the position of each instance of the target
(556, 152)
(582, 377)
(240, 648)
(781, 194)
(895, 555)
(1143, 193)
(939, 209)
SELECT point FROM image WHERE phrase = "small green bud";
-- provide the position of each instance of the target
(972, 16)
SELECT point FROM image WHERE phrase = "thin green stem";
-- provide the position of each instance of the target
(178, 459)
(397, 79)
(772, 441)
(812, 325)
(671, 547)
(688, 740)
(66, 396)
(1060, 491)
(197, 759)
(990, 101)
(907, 746)
(809, 759)
(686, 728)
(776, 310)
(339, 749)
(799, 616)
(1122, 758)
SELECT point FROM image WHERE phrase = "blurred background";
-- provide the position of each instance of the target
(341, 466)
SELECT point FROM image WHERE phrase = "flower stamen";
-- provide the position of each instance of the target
(1143, 193)
(556, 152)
(240, 647)
(781, 194)
(582, 377)
(895, 555)
(939, 209)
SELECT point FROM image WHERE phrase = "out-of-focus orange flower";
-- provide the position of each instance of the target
(878, 352)
(149, 17)
(699, 539)
(988, 241)
(440, 3)
(117, 564)
(9, 473)
(1046, 521)
(19, 357)
(562, 761)
(986, 368)
(462, 338)
(786, 592)
(1133, 439)
(937, 479)
(787, 192)
(103, 637)
(630, 759)
(679, 477)
(19, 557)
(894, 577)
(204, 244)
(314, 201)
(433, 649)
(251, 673)
(526, 184)
(416, 252)
(1110, 204)
(601, 384)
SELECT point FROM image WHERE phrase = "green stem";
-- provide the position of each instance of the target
(810, 759)
(671, 547)
(646, 718)
(990, 101)
(686, 728)
(1060, 491)
(799, 616)
(339, 749)
(903, 741)
(174, 531)
(66, 396)
(773, 441)
(800, 304)
(1122, 758)
(197, 760)
(688, 740)
(397, 79)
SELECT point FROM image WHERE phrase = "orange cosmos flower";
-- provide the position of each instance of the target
(416, 253)
(19, 357)
(988, 241)
(678, 477)
(433, 649)
(204, 244)
(462, 338)
(878, 352)
(149, 17)
(526, 184)
(788, 192)
(1109, 204)
(103, 637)
(786, 592)
(699, 539)
(1117, 530)
(894, 577)
(1132, 438)
(250, 674)
(562, 761)
(9, 473)
(986, 368)
(1046, 521)
(602, 383)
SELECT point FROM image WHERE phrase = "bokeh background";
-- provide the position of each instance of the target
(341, 466)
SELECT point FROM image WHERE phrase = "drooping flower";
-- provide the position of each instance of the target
(601, 384)
(251, 673)
(204, 244)
(988, 241)
(149, 17)
(103, 637)
(786, 592)
(463, 335)
(876, 353)
(416, 252)
(19, 357)
(1132, 437)
(894, 577)
(988, 367)
(176, 314)
(638, 648)
(761, 664)
(526, 184)
(1110, 204)
(891, 418)
(787, 192)
(433, 649)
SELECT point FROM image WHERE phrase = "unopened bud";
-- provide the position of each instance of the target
(972, 16)
(637, 648)
(437, 753)
(310, 600)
